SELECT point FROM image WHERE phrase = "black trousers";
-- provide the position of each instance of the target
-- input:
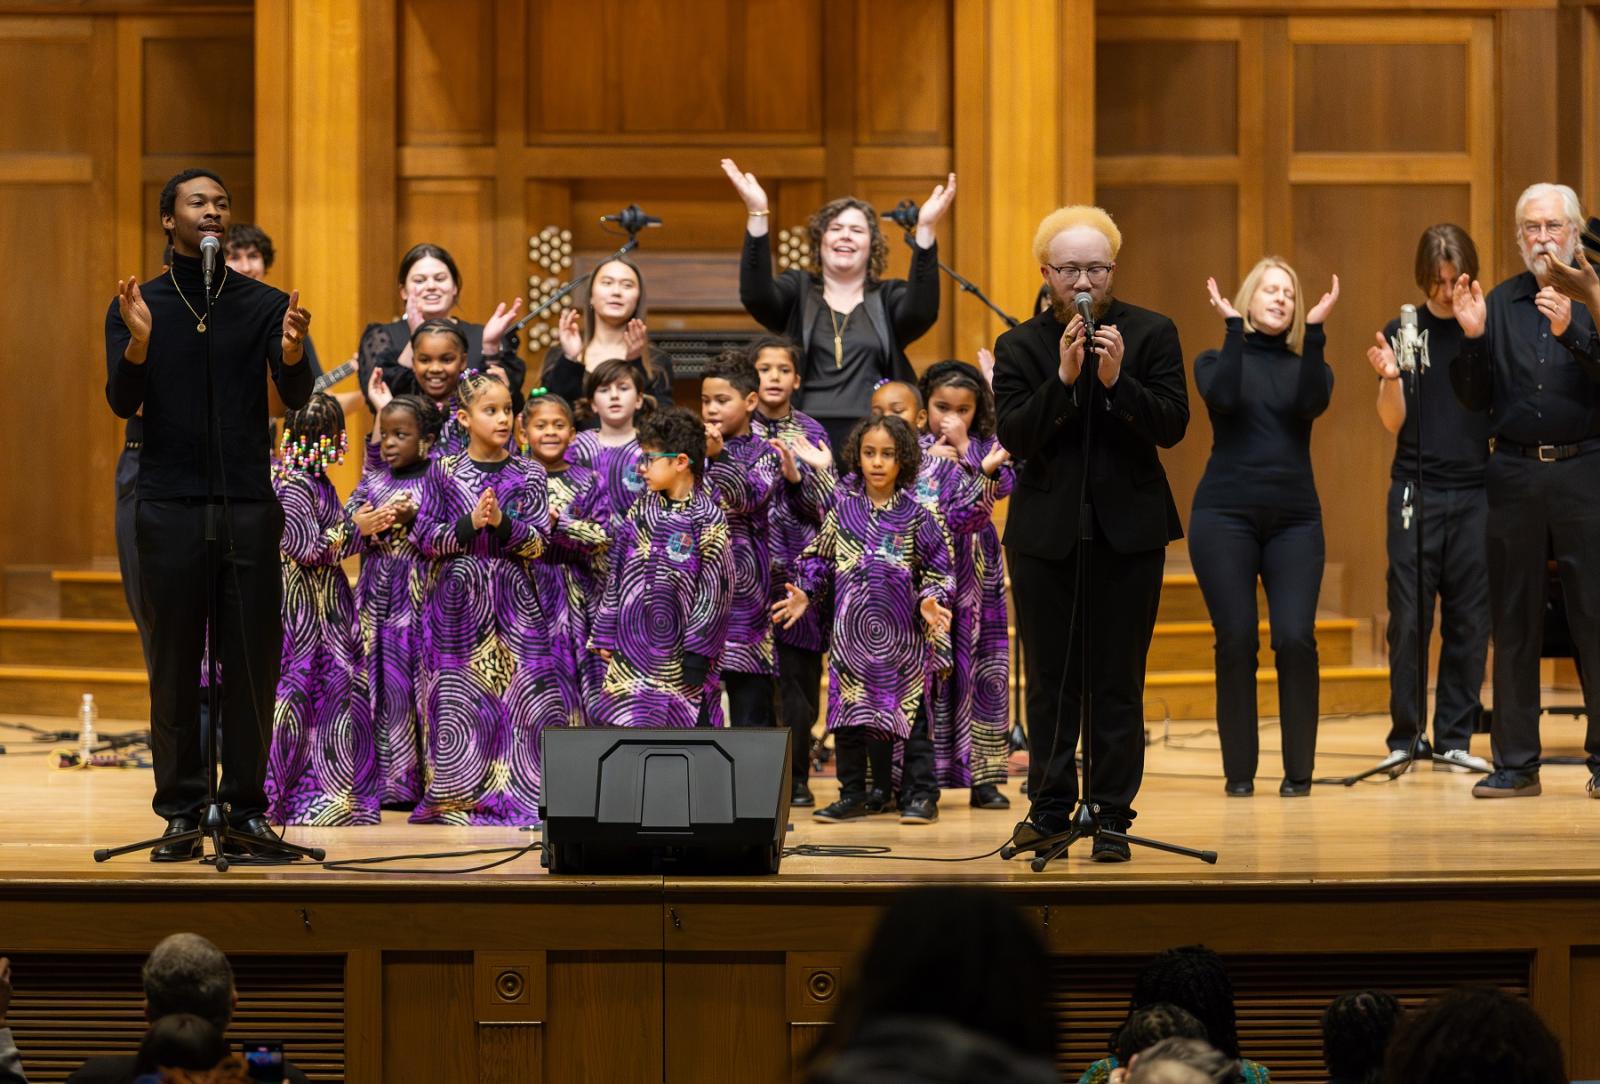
(1230, 548)
(1125, 590)
(1455, 571)
(1537, 510)
(858, 747)
(127, 548)
(749, 699)
(799, 700)
(171, 546)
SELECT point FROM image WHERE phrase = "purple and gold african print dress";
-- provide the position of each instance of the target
(571, 576)
(617, 468)
(322, 767)
(389, 602)
(991, 664)
(877, 565)
(489, 682)
(669, 592)
(793, 518)
(744, 480)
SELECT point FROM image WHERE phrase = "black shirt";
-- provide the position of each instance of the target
(1455, 439)
(382, 345)
(842, 388)
(1537, 388)
(1262, 398)
(245, 330)
(564, 376)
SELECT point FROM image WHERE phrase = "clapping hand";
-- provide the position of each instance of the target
(714, 440)
(635, 336)
(938, 203)
(296, 323)
(792, 608)
(996, 458)
(813, 456)
(1319, 312)
(791, 469)
(749, 189)
(1222, 305)
(1579, 283)
(1382, 358)
(378, 393)
(1466, 298)
(569, 333)
(986, 365)
(370, 521)
(135, 315)
(403, 508)
(486, 513)
(937, 617)
(494, 328)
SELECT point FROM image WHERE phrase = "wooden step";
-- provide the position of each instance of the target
(91, 594)
(58, 690)
(1192, 694)
(1189, 645)
(112, 645)
(1181, 599)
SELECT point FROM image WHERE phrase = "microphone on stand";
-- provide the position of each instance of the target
(210, 247)
(1410, 345)
(904, 215)
(1084, 303)
(631, 218)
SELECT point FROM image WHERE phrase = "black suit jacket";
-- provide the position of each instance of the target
(119, 1070)
(1040, 423)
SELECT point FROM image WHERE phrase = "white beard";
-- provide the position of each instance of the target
(1535, 257)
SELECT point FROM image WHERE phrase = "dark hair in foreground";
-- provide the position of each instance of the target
(907, 452)
(1444, 243)
(609, 372)
(1147, 1026)
(441, 327)
(1192, 977)
(245, 235)
(180, 1041)
(1474, 1035)
(429, 418)
(753, 349)
(737, 367)
(966, 377)
(678, 431)
(1355, 1032)
(962, 956)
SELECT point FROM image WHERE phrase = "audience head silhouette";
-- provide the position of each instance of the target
(1355, 1031)
(185, 973)
(181, 1041)
(1474, 1035)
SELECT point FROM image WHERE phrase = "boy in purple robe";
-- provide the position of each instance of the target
(744, 475)
(663, 621)
(885, 561)
(612, 394)
(322, 766)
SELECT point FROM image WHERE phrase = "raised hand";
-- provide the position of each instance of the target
(378, 392)
(1466, 297)
(749, 189)
(1222, 305)
(813, 456)
(1579, 283)
(1319, 312)
(414, 317)
(714, 442)
(937, 205)
(494, 328)
(996, 458)
(1382, 358)
(403, 508)
(569, 332)
(296, 322)
(791, 469)
(937, 617)
(135, 313)
(792, 608)
(1556, 307)
(986, 365)
(635, 336)
(495, 515)
(1108, 346)
(1071, 351)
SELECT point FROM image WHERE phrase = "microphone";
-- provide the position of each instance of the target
(209, 248)
(631, 218)
(1410, 345)
(904, 215)
(1084, 303)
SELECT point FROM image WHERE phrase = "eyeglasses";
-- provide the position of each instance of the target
(1534, 229)
(1097, 272)
(646, 457)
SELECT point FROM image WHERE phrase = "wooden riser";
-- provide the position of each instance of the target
(91, 595)
(103, 645)
(58, 690)
(1346, 690)
(1189, 645)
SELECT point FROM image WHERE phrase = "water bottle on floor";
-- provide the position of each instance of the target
(88, 715)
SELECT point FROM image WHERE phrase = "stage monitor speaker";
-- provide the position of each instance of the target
(619, 800)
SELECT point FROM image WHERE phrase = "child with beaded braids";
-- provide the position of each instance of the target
(384, 510)
(489, 682)
(322, 767)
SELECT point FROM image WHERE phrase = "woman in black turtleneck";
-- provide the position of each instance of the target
(1256, 513)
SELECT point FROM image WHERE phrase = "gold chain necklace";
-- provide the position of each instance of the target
(200, 321)
(838, 335)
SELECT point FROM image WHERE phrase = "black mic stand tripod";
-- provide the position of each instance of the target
(905, 215)
(1085, 822)
(633, 223)
(213, 824)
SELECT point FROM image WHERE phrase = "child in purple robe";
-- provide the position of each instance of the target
(388, 591)
(322, 767)
(886, 562)
(612, 394)
(961, 498)
(572, 568)
(664, 618)
(490, 682)
(439, 355)
(793, 519)
(743, 474)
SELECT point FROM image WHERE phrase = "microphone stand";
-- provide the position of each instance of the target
(965, 284)
(1086, 822)
(213, 824)
(511, 340)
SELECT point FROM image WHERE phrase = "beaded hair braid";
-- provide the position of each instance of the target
(313, 436)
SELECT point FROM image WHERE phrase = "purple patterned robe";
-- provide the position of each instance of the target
(744, 481)
(962, 499)
(991, 672)
(618, 470)
(793, 519)
(322, 767)
(669, 592)
(877, 565)
(389, 601)
(489, 677)
(570, 577)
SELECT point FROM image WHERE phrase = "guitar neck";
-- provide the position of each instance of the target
(333, 376)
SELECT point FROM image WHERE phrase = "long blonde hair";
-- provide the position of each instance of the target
(1252, 281)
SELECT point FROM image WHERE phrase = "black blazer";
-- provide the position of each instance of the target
(901, 310)
(1040, 424)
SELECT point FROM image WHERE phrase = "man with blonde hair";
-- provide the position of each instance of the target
(1052, 377)
(1531, 357)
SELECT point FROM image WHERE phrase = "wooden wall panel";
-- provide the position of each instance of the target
(1130, 76)
(1404, 98)
(446, 73)
(688, 89)
(458, 214)
(198, 94)
(730, 1003)
(428, 1026)
(905, 101)
(606, 1023)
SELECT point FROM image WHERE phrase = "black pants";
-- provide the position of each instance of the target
(249, 583)
(1125, 590)
(127, 548)
(857, 747)
(799, 700)
(1230, 548)
(749, 699)
(1537, 510)
(1455, 571)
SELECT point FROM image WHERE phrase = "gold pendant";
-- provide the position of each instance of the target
(201, 327)
(838, 352)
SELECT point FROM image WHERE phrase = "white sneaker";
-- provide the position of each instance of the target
(1462, 761)
(1395, 758)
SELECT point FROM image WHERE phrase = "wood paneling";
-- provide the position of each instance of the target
(1400, 98)
(446, 72)
(1130, 75)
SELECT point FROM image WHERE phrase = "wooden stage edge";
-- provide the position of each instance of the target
(511, 973)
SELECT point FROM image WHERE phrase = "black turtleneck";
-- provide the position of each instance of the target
(245, 329)
(1262, 398)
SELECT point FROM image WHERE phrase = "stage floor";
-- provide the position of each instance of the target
(1425, 827)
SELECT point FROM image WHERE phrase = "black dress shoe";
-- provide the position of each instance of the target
(187, 851)
(919, 811)
(800, 796)
(1294, 788)
(1241, 788)
(988, 796)
(258, 828)
(879, 800)
(845, 809)
(1028, 833)
(1107, 849)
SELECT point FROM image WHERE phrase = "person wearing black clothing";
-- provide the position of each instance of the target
(611, 325)
(852, 324)
(1143, 403)
(1256, 513)
(156, 357)
(1454, 516)
(1531, 358)
(429, 287)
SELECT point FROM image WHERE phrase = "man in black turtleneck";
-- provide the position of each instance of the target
(156, 356)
